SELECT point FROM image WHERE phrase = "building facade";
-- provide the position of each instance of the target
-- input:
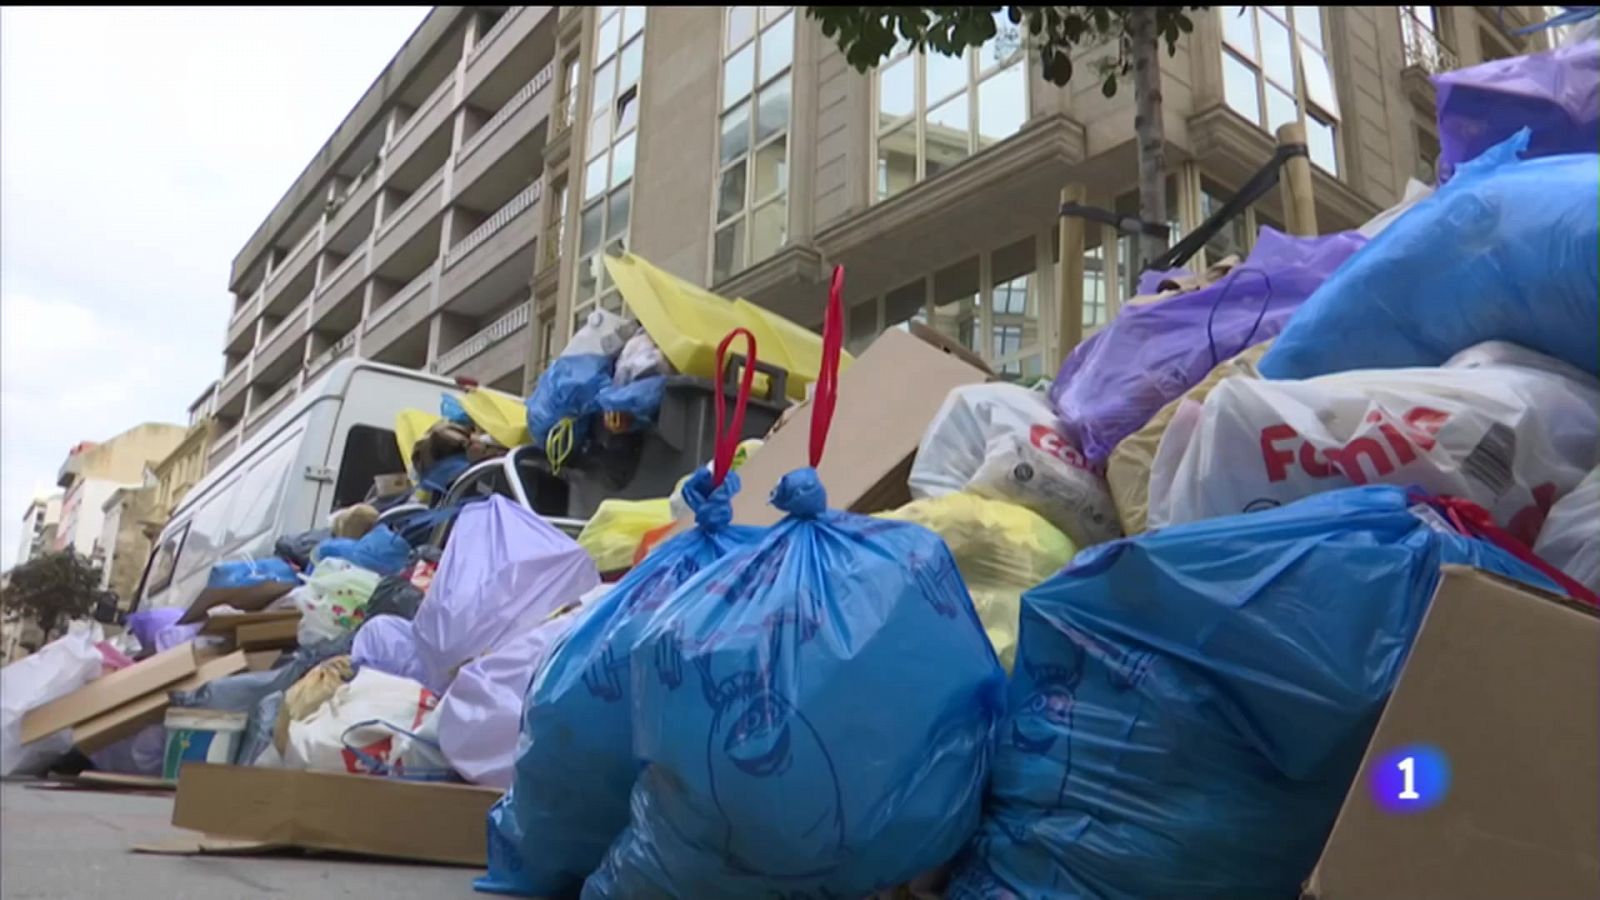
(125, 537)
(39, 525)
(458, 220)
(92, 472)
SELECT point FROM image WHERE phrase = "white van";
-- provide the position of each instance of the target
(320, 453)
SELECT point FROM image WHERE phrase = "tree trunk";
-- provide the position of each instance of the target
(1149, 133)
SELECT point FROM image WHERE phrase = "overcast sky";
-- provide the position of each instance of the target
(139, 149)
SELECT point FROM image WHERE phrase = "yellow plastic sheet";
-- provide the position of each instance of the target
(503, 416)
(1001, 550)
(409, 427)
(688, 323)
(617, 527)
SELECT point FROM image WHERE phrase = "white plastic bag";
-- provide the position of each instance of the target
(603, 333)
(57, 669)
(1570, 540)
(1043, 473)
(1499, 425)
(954, 446)
(333, 601)
(640, 358)
(376, 724)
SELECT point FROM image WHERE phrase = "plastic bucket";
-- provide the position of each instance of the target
(201, 735)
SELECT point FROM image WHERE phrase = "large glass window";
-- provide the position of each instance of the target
(1275, 70)
(933, 111)
(607, 188)
(750, 205)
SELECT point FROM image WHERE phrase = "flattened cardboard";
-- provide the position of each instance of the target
(261, 660)
(249, 599)
(130, 718)
(1505, 681)
(228, 623)
(206, 845)
(105, 694)
(886, 400)
(111, 782)
(274, 634)
(410, 820)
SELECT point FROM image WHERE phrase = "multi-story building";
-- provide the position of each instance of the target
(39, 525)
(93, 471)
(458, 219)
(123, 546)
(180, 470)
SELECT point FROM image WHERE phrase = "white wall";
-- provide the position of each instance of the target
(82, 517)
(110, 524)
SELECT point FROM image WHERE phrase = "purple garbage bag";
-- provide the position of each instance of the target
(147, 623)
(1556, 93)
(504, 571)
(388, 644)
(481, 715)
(1150, 354)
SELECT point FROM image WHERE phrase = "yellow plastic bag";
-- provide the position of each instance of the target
(502, 416)
(1128, 469)
(409, 427)
(1001, 549)
(616, 528)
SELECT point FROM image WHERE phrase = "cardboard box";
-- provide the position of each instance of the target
(276, 634)
(886, 400)
(130, 718)
(261, 660)
(409, 820)
(106, 694)
(1505, 681)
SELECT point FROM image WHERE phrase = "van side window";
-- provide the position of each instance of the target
(165, 563)
(368, 453)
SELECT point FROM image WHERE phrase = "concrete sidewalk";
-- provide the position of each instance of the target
(74, 844)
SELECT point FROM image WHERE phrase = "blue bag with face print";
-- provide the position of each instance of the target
(1189, 706)
(574, 764)
(813, 714)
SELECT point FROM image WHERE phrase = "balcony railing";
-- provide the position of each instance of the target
(1423, 48)
(299, 312)
(411, 202)
(339, 350)
(502, 328)
(273, 401)
(401, 297)
(339, 270)
(290, 261)
(494, 32)
(445, 87)
(529, 196)
(538, 83)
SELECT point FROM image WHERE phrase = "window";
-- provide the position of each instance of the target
(933, 111)
(164, 562)
(571, 81)
(607, 188)
(368, 453)
(750, 209)
(1234, 238)
(1275, 70)
(1427, 168)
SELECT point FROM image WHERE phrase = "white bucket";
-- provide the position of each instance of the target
(201, 735)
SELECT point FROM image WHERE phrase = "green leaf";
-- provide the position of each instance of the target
(1109, 86)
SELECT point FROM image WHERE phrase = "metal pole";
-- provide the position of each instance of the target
(1069, 277)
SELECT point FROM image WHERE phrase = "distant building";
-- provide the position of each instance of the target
(125, 537)
(93, 471)
(39, 525)
(177, 472)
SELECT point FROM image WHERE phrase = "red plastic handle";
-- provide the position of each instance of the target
(827, 395)
(728, 441)
(1471, 519)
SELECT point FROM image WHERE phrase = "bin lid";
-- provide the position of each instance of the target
(688, 322)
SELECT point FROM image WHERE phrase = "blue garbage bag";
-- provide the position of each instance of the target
(1189, 707)
(246, 573)
(566, 392)
(380, 550)
(451, 408)
(443, 473)
(639, 400)
(813, 715)
(1508, 250)
(569, 794)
